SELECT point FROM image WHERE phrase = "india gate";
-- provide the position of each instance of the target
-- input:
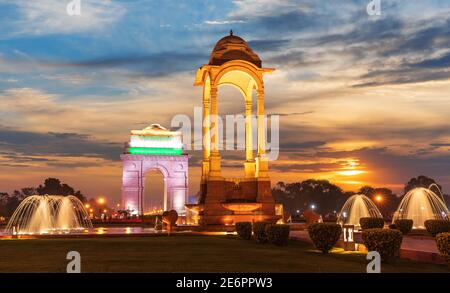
(230, 200)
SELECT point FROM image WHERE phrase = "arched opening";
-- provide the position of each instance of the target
(237, 107)
(154, 197)
(231, 107)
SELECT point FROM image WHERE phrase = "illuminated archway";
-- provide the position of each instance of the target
(154, 148)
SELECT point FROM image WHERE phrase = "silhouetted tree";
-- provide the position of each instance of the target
(53, 186)
(325, 196)
(422, 181)
(387, 204)
(9, 203)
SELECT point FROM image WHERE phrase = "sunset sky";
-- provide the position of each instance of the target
(362, 99)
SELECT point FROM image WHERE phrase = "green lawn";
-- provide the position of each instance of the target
(184, 254)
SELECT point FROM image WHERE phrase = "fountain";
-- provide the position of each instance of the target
(44, 214)
(356, 207)
(421, 204)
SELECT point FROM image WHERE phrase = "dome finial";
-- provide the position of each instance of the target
(231, 32)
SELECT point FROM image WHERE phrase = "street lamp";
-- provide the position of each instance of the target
(378, 198)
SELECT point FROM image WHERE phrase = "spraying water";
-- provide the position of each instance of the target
(421, 204)
(39, 214)
(356, 207)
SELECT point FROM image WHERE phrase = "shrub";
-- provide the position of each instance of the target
(244, 230)
(371, 223)
(324, 235)
(386, 241)
(259, 231)
(404, 225)
(443, 245)
(435, 227)
(277, 234)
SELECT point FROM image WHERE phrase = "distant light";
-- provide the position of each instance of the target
(91, 210)
(298, 211)
(313, 206)
(87, 206)
(101, 200)
(344, 214)
(105, 211)
(379, 198)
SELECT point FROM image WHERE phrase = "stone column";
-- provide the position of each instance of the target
(214, 171)
(206, 134)
(249, 165)
(262, 164)
(248, 131)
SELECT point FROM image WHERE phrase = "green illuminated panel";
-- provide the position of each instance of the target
(155, 151)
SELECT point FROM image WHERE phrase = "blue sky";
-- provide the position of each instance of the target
(351, 87)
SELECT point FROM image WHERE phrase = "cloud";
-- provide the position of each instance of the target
(440, 62)
(267, 45)
(440, 144)
(301, 145)
(50, 17)
(261, 8)
(157, 64)
(400, 76)
(27, 144)
(223, 22)
(292, 114)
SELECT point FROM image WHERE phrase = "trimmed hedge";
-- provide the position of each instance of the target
(443, 245)
(244, 230)
(386, 241)
(435, 227)
(259, 231)
(324, 235)
(371, 223)
(277, 234)
(404, 225)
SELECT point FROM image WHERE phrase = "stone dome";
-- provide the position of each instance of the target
(233, 47)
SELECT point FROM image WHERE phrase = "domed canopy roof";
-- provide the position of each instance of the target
(233, 48)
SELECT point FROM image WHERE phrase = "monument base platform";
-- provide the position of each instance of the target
(228, 201)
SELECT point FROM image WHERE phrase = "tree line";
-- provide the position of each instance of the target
(327, 199)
